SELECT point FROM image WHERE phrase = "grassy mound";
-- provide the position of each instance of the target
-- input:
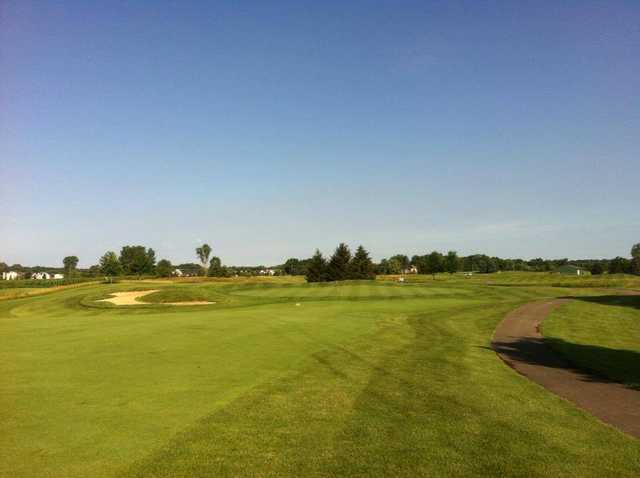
(601, 334)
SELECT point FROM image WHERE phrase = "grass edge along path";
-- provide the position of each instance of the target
(520, 344)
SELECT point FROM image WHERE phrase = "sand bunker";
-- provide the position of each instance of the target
(131, 298)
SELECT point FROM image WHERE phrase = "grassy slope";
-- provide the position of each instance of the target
(344, 383)
(600, 334)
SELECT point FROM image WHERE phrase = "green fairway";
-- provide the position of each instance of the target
(600, 334)
(281, 378)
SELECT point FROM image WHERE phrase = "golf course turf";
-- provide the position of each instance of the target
(282, 378)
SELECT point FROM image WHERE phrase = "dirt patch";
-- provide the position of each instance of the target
(519, 343)
(131, 298)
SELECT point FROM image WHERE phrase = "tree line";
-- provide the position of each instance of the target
(341, 266)
(141, 261)
(437, 262)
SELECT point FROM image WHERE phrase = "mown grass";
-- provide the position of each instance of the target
(527, 279)
(601, 334)
(351, 379)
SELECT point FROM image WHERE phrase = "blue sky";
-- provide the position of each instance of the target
(268, 129)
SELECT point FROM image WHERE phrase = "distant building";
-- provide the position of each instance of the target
(573, 270)
(11, 275)
(58, 276)
(41, 276)
(267, 272)
(177, 273)
(410, 270)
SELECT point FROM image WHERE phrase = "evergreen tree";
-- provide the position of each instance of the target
(338, 268)
(361, 266)
(317, 268)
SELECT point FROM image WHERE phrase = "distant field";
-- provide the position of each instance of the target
(283, 378)
(529, 279)
(20, 292)
(15, 293)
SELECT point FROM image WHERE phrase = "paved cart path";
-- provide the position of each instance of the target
(518, 341)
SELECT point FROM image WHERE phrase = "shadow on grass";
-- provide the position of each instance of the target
(594, 363)
(632, 301)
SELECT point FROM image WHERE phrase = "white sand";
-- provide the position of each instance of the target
(131, 298)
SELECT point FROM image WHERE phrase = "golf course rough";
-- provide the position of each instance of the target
(366, 379)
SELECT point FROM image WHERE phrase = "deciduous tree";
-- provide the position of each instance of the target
(137, 260)
(70, 263)
(203, 252)
(164, 268)
(451, 262)
(110, 265)
(216, 269)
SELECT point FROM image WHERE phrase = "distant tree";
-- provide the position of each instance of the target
(597, 268)
(190, 268)
(70, 263)
(539, 265)
(394, 266)
(110, 264)
(420, 262)
(203, 252)
(137, 260)
(338, 268)
(295, 267)
(361, 266)
(317, 268)
(216, 269)
(3, 267)
(508, 265)
(390, 266)
(94, 271)
(403, 260)
(451, 262)
(164, 268)
(619, 265)
(434, 263)
(635, 259)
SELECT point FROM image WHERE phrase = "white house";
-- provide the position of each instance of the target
(58, 276)
(11, 275)
(177, 273)
(410, 270)
(41, 275)
(267, 272)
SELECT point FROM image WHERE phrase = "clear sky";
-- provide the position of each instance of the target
(268, 129)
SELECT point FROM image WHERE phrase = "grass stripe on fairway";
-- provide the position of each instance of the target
(424, 396)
